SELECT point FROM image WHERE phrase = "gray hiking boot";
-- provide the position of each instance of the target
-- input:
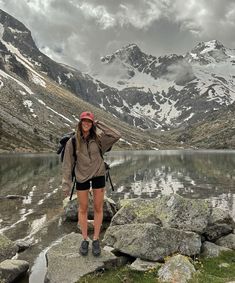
(84, 247)
(96, 251)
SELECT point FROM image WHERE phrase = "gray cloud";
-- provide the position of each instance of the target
(78, 32)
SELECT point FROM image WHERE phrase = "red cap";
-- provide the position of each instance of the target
(87, 115)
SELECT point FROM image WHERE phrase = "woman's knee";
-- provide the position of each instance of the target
(83, 208)
(98, 208)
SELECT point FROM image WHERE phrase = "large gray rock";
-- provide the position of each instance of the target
(168, 211)
(65, 264)
(177, 269)
(71, 209)
(7, 248)
(227, 241)
(220, 224)
(212, 250)
(11, 269)
(151, 242)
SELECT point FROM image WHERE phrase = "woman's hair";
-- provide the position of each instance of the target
(92, 134)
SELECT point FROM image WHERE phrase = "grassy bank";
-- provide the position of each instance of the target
(210, 270)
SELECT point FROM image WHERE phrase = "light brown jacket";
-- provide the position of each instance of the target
(89, 161)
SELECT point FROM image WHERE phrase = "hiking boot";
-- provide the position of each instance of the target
(96, 248)
(84, 247)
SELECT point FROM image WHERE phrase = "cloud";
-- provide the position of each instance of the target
(75, 32)
(212, 19)
(180, 73)
(99, 13)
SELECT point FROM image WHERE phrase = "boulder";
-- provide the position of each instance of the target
(144, 265)
(23, 244)
(71, 209)
(171, 211)
(177, 269)
(151, 242)
(212, 250)
(65, 264)
(7, 248)
(11, 269)
(220, 224)
(227, 241)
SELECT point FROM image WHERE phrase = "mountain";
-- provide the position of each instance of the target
(152, 100)
(35, 107)
(173, 90)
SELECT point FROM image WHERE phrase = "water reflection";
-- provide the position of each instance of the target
(191, 174)
(36, 215)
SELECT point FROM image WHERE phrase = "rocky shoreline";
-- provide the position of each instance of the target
(167, 233)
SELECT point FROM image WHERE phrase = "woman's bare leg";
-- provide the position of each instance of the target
(82, 211)
(98, 197)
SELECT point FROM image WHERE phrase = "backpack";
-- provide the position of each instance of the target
(61, 150)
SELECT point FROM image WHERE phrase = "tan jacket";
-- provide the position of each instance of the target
(89, 161)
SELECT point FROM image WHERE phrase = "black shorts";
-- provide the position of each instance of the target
(95, 183)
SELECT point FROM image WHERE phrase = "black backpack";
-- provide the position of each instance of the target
(61, 151)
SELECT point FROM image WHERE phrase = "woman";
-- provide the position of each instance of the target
(92, 140)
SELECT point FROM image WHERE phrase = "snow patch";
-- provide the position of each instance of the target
(29, 103)
(22, 92)
(1, 84)
(40, 101)
(16, 30)
(37, 80)
(121, 139)
(75, 118)
(69, 75)
(59, 115)
(102, 104)
(59, 80)
(50, 122)
(194, 56)
(189, 117)
(168, 111)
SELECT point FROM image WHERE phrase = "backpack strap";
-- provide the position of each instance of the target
(74, 148)
(75, 161)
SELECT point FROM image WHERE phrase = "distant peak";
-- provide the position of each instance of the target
(126, 53)
(207, 46)
(128, 48)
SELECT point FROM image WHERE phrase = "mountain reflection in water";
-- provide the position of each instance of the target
(36, 178)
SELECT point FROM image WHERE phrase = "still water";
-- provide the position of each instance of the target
(35, 215)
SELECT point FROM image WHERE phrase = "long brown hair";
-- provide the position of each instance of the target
(92, 134)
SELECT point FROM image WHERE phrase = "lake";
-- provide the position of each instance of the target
(36, 178)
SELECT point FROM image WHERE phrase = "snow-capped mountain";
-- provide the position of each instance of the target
(171, 90)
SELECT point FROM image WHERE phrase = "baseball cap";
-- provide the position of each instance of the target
(87, 115)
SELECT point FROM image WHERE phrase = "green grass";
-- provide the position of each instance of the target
(208, 271)
(121, 274)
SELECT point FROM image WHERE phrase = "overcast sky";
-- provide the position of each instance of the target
(78, 32)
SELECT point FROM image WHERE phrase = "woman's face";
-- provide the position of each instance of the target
(86, 125)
